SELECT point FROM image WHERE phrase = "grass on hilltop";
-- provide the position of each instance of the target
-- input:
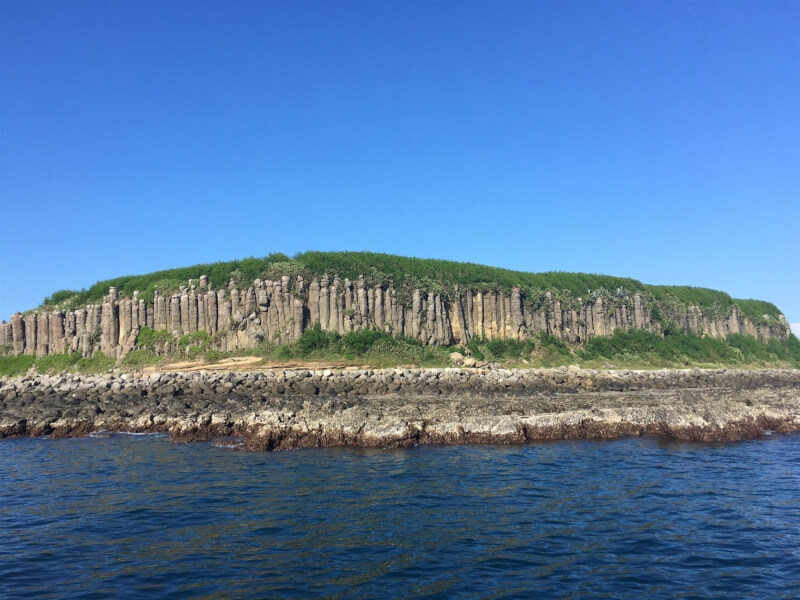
(406, 273)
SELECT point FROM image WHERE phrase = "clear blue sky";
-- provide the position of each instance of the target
(655, 140)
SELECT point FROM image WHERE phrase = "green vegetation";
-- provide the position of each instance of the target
(99, 363)
(757, 310)
(370, 346)
(436, 275)
(154, 343)
(644, 348)
(632, 349)
(219, 274)
(58, 297)
(543, 350)
(213, 356)
(57, 363)
(137, 359)
(150, 339)
(198, 338)
(690, 295)
(12, 366)
(408, 273)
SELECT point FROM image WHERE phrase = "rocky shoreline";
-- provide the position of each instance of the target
(299, 408)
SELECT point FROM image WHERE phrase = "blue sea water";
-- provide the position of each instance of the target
(140, 517)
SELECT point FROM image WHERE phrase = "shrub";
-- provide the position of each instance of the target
(358, 343)
(197, 338)
(212, 356)
(315, 339)
(545, 346)
(152, 339)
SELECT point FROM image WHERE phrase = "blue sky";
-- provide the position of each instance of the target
(655, 140)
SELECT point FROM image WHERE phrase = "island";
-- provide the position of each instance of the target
(356, 348)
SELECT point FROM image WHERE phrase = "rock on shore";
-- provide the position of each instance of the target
(297, 408)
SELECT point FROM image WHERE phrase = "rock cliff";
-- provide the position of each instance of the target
(280, 310)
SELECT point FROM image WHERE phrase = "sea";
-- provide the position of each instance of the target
(137, 516)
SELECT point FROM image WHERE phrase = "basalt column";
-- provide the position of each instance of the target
(109, 324)
(93, 331)
(175, 315)
(42, 334)
(6, 338)
(262, 305)
(369, 317)
(313, 302)
(297, 318)
(517, 316)
(428, 327)
(236, 312)
(347, 313)
(202, 312)
(29, 331)
(184, 313)
(285, 310)
(125, 319)
(135, 320)
(333, 304)
(57, 342)
(223, 311)
(211, 303)
(80, 343)
(18, 334)
(324, 303)
(192, 311)
(415, 322)
(599, 318)
(249, 303)
(160, 312)
(442, 325)
(362, 309)
(379, 313)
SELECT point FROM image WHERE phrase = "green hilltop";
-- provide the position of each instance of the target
(668, 347)
(427, 274)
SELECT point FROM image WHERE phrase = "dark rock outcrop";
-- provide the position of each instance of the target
(403, 407)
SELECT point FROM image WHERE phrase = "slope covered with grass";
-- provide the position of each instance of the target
(404, 272)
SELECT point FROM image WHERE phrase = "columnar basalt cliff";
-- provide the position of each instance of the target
(280, 310)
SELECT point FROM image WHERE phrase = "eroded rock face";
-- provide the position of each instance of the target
(403, 407)
(280, 311)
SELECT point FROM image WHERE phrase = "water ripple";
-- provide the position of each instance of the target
(137, 516)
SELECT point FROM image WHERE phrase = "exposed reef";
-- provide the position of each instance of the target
(298, 408)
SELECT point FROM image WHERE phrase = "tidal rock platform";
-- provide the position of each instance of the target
(300, 408)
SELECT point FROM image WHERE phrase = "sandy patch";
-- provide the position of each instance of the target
(247, 363)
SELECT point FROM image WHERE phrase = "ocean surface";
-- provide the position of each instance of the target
(140, 517)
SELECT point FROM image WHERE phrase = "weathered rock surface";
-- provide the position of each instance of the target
(403, 407)
(280, 311)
